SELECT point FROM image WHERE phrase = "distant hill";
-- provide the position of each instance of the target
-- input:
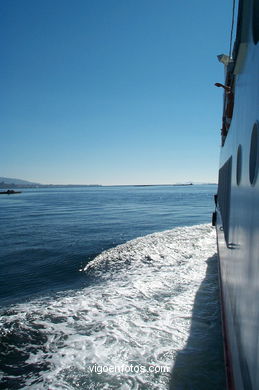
(12, 182)
(8, 182)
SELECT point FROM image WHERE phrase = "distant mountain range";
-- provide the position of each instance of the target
(8, 182)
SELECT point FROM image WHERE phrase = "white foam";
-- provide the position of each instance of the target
(139, 312)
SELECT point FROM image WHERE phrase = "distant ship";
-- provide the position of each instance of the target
(237, 202)
(9, 192)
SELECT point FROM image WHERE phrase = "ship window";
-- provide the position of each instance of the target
(256, 21)
(254, 160)
(239, 165)
(224, 194)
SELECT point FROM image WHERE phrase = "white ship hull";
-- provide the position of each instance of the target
(238, 209)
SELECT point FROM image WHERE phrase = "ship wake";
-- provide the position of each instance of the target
(136, 312)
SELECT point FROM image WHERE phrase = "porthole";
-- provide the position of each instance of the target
(254, 160)
(239, 165)
(256, 21)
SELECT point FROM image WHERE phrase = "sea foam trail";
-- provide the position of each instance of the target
(137, 312)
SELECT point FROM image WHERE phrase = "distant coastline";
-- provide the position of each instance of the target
(14, 185)
(6, 183)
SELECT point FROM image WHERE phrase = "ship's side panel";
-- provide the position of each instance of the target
(238, 227)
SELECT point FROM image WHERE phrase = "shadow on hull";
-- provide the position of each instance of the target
(200, 365)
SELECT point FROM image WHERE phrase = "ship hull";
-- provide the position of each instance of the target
(238, 211)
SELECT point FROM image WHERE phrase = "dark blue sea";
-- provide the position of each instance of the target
(110, 288)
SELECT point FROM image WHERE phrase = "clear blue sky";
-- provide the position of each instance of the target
(111, 91)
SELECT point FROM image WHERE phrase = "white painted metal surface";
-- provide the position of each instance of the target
(239, 256)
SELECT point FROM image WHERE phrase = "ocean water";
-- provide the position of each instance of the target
(110, 288)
